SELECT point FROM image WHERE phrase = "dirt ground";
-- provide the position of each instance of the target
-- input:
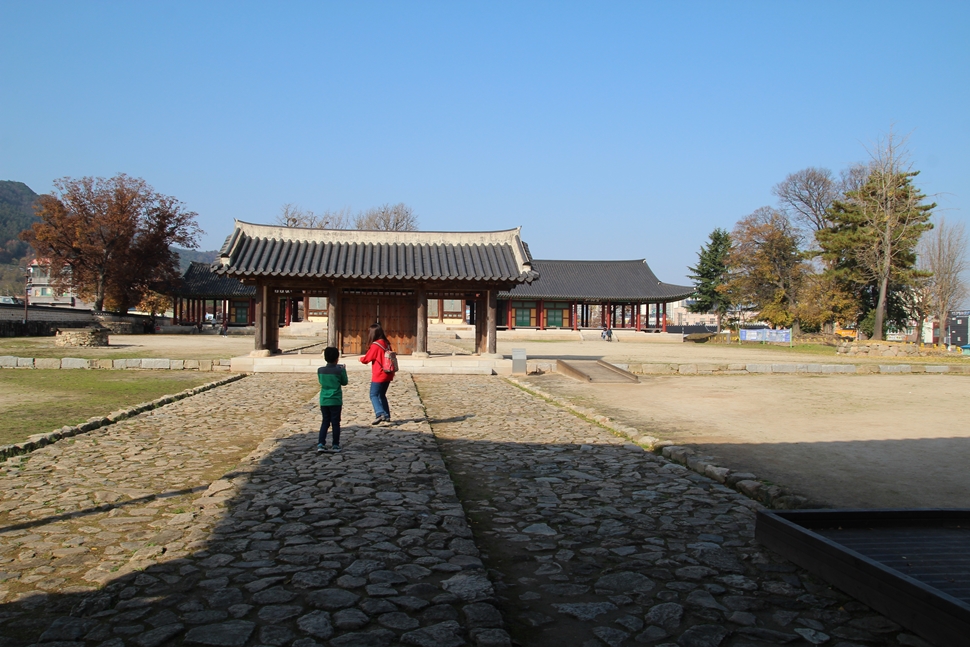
(880, 441)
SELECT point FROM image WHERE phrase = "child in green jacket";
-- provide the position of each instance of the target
(331, 377)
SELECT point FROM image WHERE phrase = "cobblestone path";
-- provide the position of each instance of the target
(214, 522)
(592, 541)
(368, 547)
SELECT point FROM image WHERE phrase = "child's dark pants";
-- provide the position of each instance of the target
(331, 416)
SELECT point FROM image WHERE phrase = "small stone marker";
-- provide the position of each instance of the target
(519, 361)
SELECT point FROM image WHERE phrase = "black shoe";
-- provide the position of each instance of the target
(377, 421)
(321, 449)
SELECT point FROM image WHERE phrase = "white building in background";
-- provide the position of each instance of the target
(43, 293)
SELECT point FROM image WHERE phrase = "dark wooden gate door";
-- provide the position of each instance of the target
(397, 315)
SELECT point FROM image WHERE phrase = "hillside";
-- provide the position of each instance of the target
(16, 214)
(187, 256)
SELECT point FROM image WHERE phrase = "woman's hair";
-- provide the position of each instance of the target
(374, 333)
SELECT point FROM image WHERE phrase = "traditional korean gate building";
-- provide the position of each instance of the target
(590, 294)
(368, 276)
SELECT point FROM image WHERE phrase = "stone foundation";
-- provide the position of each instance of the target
(81, 337)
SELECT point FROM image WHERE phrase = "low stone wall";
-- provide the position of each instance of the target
(81, 337)
(815, 369)
(889, 349)
(204, 365)
(39, 440)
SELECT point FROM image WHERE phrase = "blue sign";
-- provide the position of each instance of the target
(766, 335)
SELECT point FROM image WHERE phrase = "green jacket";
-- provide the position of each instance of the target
(331, 377)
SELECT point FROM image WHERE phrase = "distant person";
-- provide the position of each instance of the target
(381, 358)
(331, 377)
(607, 334)
(224, 331)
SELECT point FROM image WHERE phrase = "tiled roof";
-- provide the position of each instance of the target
(199, 281)
(597, 281)
(263, 251)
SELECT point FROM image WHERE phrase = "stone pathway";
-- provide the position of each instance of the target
(367, 547)
(213, 522)
(590, 540)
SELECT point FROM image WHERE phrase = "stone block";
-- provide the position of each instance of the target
(8, 361)
(103, 363)
(648, 369)
(808, 368)
(750, 488)
(894, 368)
(719, 474)
(75, 362)
(205, 364)
(119, 363)
(687, 369)
(156, 364)
(25, 362)
(299, 369)
(709, 368)
(937, 369)
(784, 368)
(177, 364)
(47, 362)
(736, 367)
(132, 363)
(758, 368)
(228, 362)
(191, 365)
(866, 369)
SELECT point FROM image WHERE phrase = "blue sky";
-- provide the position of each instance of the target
(605, 130)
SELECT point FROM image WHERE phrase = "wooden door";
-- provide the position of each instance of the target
(397, 315)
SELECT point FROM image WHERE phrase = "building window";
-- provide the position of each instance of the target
(523, 317)
(318, 306)
(433, 308)
(453, 309)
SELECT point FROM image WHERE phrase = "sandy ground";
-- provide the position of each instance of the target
(846, 441)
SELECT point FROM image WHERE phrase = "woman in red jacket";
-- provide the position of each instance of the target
(381, 375)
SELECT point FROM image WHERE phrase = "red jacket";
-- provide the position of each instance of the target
(375, 357)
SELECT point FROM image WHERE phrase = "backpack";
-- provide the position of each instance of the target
(390, 359)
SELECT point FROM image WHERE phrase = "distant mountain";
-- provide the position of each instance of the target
(16, 214)
(187, 256)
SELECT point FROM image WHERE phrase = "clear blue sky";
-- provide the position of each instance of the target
(606, 130)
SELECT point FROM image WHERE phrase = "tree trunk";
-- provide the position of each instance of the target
(880, 309)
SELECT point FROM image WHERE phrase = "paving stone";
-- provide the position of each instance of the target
(234, 633)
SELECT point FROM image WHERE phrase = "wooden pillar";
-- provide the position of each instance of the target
(333, 326)
(574, 315)
(251, 315)
(273, 322)
(289, 312)
(638, 317)
(259, 316)
(541, 315)
(664, 327)
(510, 316)
(441, 311)
(491, 323)
(421, 343)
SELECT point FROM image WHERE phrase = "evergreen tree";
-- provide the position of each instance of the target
(871, 246)
(710, 276)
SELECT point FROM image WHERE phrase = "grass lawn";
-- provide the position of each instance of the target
(35, 401)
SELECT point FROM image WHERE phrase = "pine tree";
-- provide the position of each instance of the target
(710, 276)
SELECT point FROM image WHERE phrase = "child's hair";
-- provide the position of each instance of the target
(375, 333)
(331, 354)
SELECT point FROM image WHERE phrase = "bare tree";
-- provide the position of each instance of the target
(943, 253)
(806, 195)
(398, 217)
(877, 227)
(292, 215)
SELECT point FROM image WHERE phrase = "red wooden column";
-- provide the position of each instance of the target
(510, 316)
(288, 316)
(665, 318)
(573, 312)
(638, 317)
(540, 315)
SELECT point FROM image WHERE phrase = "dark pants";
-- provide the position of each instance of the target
(331, 416)
(378, 398)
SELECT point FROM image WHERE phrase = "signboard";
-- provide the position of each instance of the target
(766, 335)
